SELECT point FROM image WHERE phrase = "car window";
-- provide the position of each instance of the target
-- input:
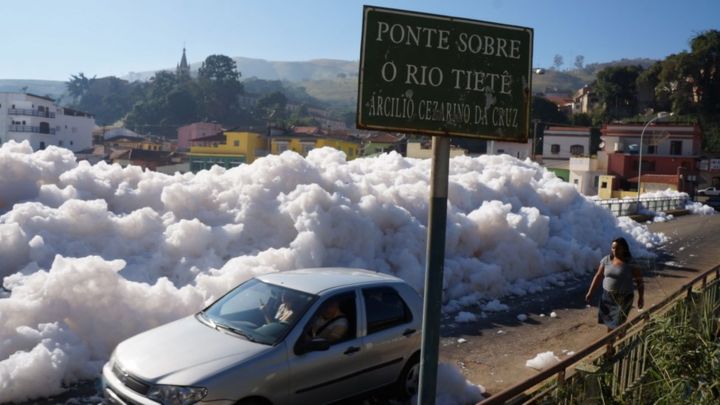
(335, 319)
(260, 311)
(384, 309)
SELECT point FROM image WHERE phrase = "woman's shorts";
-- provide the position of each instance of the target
(614, 308)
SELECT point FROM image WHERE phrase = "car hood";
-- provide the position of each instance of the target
(183, 352)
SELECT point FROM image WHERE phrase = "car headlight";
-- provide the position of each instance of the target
(176, 395)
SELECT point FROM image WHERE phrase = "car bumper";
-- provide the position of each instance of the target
(116, 393)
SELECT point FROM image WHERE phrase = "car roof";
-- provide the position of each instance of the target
(317, 280)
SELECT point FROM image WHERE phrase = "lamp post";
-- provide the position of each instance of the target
(659, 116)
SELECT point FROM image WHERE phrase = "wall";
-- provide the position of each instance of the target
(515, 149)
(417, 151)
(194, 131)
(565, 138)
(75, 132)
(71, 132)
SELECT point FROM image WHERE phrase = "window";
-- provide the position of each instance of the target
(236, 143)
(307, 147)
(676, 147)
(60, 143)
(652, 149)
(501, 151)
(647, 166)
(576, 150)
(555, 149)
(596, 180)
(604, 184)
(281, 147)
(384, 309)
(329, 324)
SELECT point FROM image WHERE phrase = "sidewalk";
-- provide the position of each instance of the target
(495, 349)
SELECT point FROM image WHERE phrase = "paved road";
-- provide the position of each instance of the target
(496, 349)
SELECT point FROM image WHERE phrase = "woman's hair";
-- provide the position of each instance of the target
(622, 244)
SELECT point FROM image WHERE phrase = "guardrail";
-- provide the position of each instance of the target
(31, 128)
(625, 349)
(30, 112)
(625, 207)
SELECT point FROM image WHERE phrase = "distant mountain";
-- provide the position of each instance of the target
(329, 80)
(47, 88)
(318, 69)
(568, 81)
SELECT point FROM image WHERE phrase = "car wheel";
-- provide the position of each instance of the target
(407, 384)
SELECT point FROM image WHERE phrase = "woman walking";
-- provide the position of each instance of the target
(617, 271)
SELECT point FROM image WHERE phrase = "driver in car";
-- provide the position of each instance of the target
(330, 323)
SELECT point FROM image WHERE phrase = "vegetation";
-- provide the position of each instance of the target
(685, 362)
(687, 84)
(169, 100)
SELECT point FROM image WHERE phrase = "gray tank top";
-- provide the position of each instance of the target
(618, 279)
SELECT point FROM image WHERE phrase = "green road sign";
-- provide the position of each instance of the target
(442, 75)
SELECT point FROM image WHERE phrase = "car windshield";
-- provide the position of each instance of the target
(258, 311)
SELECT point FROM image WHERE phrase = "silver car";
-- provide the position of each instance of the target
(307, 336)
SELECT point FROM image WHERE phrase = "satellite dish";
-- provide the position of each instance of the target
(602, 145)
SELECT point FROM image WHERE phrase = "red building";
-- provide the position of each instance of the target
(196, 130)
(670, 155)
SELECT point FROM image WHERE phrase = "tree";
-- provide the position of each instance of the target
(272, 106)
(78, 85)
(704, 70)
(219, 83)
(108, 98)
(579, 61)
(546, 111)
(617, 90)
(581, 120)
(220, 69)
(558, 61)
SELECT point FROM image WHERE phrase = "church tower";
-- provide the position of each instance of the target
(183, 69)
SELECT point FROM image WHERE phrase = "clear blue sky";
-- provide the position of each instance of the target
(51, 40)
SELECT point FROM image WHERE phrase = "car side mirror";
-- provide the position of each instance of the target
(313, 345)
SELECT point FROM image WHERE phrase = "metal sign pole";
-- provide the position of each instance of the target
(437, 217)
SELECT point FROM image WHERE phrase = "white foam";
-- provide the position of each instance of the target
(98, 251)
(542, 361)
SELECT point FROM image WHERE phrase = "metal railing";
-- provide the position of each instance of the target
(30, 112)
(31, 128)
(624, 350)
(625, 207)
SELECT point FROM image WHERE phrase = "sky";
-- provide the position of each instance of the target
(91, 255)
(50, 40)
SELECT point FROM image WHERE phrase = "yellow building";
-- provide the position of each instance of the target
(134, 142)
(227, 149)
(303, 142)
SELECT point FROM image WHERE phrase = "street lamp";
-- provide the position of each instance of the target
(659, 116)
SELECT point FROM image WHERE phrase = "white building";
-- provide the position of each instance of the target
(38, 120)
(585, 172)
(519, 150)
(562, 143)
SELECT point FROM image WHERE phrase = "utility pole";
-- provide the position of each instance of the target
(534, 142)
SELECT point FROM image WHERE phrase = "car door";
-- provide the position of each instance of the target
(392, 334)
(322, 376)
